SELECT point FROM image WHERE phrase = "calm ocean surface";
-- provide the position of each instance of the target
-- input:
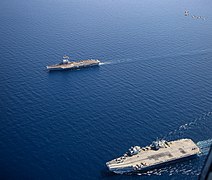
(155, 81)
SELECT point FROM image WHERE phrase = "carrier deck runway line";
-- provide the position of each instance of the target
(150, 157)
(66, 64)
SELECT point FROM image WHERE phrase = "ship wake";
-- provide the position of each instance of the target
(195, 123)
(204, 146)
(170, 55)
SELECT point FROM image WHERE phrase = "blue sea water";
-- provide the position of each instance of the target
(155, 81)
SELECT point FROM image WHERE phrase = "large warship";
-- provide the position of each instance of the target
(159, 153)
(66, 64)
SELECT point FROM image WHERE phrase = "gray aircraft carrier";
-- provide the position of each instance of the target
(150, 157)
(66, 64)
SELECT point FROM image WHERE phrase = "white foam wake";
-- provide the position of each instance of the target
(105, 63)
(171, 55)
(204, 146)
(179, 133)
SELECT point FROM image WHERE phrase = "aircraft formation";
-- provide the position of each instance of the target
(194, 16)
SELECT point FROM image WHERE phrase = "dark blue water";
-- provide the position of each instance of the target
(155, 81)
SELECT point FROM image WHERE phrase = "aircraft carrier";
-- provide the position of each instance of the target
(66, 64)
(159, 153)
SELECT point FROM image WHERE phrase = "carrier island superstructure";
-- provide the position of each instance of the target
(67, 65)
(159, 153)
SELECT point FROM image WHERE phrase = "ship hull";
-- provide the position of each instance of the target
(147, 158)
(71, 67)
(156, 166)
